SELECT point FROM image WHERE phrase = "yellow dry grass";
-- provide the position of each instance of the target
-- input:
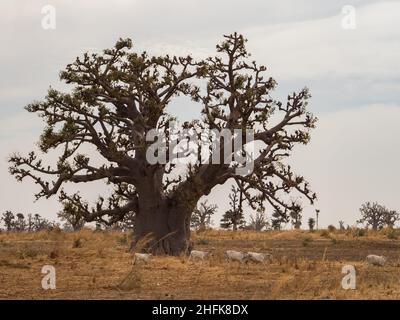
(97, 265)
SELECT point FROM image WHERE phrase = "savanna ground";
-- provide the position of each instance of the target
(97, 265)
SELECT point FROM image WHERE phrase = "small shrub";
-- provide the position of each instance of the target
(358, 232)
(392, 234)
(331, 228)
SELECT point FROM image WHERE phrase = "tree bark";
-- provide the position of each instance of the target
(162, 225)
(165, 230)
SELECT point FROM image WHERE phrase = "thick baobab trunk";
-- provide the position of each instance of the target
(162, 225)
(164, 230)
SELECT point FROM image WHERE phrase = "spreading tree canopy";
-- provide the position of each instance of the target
(377, 216)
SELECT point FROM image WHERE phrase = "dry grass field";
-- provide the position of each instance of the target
(97, 265)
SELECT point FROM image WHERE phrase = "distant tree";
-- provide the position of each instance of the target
(37, 222)
(20, 223)
(317, 211)
(8, 220)
(341, 225)
(377, 216)
(295, 216)
(233, 218)
(275, 224)
(201, 217)
(278, 219)
(258, 221)
(311, 224)
(331, 228)
(72, 216)
(30, 223)
(41, 223)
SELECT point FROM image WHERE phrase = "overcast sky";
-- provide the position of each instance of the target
(353, 75)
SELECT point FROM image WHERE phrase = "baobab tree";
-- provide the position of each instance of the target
(377, 216)
(71, 216)
(258, 221)
(233, 218)
(120, 96)
(201, 217)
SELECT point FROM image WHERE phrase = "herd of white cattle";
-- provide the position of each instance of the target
(245, 257)
(230, 255)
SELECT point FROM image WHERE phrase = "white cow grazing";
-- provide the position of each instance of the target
(233, 255)
(376, 260)
(197, 254)
(258, 257)
(142, 257)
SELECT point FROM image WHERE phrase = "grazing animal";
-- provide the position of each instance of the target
(142, 257)
(258, 257)
(233, 255)
(197, 254)
(376, 260)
